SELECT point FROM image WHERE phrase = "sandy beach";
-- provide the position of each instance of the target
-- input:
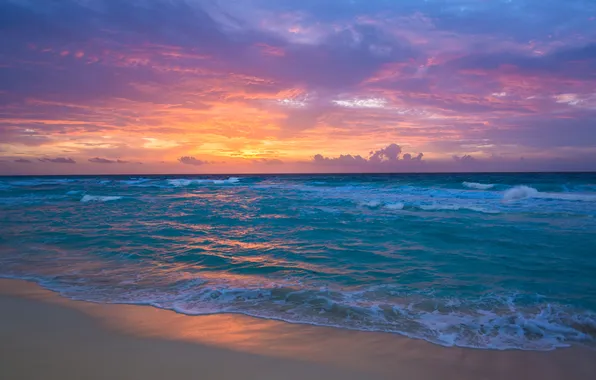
(45, 336)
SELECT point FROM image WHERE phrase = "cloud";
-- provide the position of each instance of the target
(566, 129)
(268, 161)
(99, 160)
(571, 62)
(344, 159)
(22, 161)
(387, 157)
(188, 160)
(58, 160)
(296, 78)
(466, 159)
(390, 153)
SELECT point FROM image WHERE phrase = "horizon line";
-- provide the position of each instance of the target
(290, 174)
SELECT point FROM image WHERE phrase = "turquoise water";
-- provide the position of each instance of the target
(493, 261)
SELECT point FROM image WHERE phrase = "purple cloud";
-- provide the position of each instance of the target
(99, 160)
(444, 77)
(23, 161)
(389, 154)
(382, 159)
(572, 62)
(344, 159)
(58, 160)
(465, 159)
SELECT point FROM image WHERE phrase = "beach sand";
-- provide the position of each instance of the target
(46, 336)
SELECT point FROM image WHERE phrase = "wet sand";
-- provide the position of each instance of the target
(46, 336)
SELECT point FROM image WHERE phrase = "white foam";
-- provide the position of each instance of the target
(567, 196)
(450, 207)
(99, 198)
(522, 192)
(519, 192)
(478, 186)
(180, 182)
(395, 206)
(189, 182)
(490, 322)
(136, 181)
(371, 204)
(225, 181)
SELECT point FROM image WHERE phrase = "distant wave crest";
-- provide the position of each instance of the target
(478, 186)
(395, 206)
(99, 198)
(182, 182)
(448, 207)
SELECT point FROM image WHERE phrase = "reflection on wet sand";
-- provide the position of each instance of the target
(378, 353)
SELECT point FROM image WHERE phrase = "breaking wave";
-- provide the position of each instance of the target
(492, 321)
(522, 192)
(416, 255)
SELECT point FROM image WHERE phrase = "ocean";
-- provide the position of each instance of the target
(489, 261)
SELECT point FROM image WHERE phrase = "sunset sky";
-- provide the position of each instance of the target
(208, 86)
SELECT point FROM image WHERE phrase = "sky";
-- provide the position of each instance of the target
(281, 86)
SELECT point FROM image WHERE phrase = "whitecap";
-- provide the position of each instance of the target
(395, 206)
(522, 192)
(478, 186)
(450, 207)
(224, 181)
(179, 182)
(135, 181)
(371, 204)
(519, 192)
(99, 198)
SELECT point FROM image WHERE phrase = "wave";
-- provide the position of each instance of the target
(478, 186)
(372, 204)
(190, 182)
(449, 322)
(522, 192)
(395, 206)
(99, 198)
(499, 322)
(519, 192)
(375, 204)
(31, 199)
(135, 181)
(40, 182)
(449, 207)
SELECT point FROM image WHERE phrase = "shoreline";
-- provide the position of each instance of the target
(226, 346)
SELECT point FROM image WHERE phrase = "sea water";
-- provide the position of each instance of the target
(491, 261)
